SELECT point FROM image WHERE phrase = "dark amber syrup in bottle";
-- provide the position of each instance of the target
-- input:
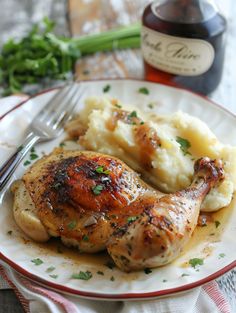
(211, 30)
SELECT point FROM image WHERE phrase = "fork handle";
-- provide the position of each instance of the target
(8, 168)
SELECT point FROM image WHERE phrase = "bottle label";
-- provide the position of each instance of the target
(176, 55)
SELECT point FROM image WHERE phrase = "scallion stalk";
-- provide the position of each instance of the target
(123, 43)
(41, 54)
(125, 31)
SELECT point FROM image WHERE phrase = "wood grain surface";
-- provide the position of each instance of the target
(98, 16)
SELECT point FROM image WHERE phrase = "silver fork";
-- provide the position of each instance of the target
(47, 125)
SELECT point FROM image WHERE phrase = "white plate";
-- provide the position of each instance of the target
(217, 250)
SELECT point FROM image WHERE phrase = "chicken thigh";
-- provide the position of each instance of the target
(96, 202)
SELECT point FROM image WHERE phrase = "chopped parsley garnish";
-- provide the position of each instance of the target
(150, 105)
(85, 238)
(184, 274)
(72, 225)
(132, 114)
(33, 156)
(82, 275)
(50, 269)
(221, 255)
(20, 147)
(217, 224)
(143, 90)
(54, 276)
(133, 119)
(147, 271)
(132, 219)
(118, 105)
(164, 280)
(26, 163)
(56, 186)
(196, 261)
(106, 88)
(97, 189)
(100, 273)
(37, 261)
(62, 144)
(110, 264)
(100, 170)
(112, 278)
(184, 145)
(32, 150)
(9, 232)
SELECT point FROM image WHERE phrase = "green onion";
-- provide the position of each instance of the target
(184, 145)
(221, 255)
(72, 225)
(97, 189)
(143, 90)
(54, 276)
(82, 275)
(132, 114)
(27, 162)
(85, 238)
(42, 54)
(132, 219)
(33, 156)
(196, 261)
(37, 261)
(50, 269)
(106, 88)
(100, 170)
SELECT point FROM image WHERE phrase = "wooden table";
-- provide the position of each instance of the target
(98, 15)
(101, 15)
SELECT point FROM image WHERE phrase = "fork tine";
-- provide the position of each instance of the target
(56, 115)
(53, 103)
(71, 103)
(39, 130)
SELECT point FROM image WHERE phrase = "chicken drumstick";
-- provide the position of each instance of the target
(96, 202)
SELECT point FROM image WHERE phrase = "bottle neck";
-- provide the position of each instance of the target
(184, 11)
(188, 2)
(191, 9)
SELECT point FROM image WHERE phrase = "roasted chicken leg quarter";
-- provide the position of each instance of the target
(96, 202)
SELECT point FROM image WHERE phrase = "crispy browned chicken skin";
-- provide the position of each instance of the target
(96, 202)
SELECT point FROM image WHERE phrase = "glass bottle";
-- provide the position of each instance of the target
(183, 43)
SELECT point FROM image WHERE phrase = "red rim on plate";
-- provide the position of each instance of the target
(126, 296)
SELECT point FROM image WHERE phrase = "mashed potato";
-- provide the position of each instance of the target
(162, 148)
